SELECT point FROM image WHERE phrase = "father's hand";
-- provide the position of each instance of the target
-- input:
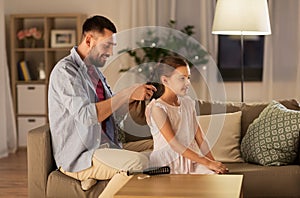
(143, 92)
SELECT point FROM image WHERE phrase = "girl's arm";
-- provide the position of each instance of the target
(202, 143)
(163, 123)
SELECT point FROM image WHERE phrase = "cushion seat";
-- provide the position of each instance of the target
(268, 181)
(57, 182)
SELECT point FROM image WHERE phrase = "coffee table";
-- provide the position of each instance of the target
(200, 186)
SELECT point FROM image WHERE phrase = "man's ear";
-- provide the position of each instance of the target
(88, 39)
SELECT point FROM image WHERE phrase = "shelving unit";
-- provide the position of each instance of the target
(30, 97)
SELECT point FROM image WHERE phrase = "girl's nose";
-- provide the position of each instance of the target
(188, 82)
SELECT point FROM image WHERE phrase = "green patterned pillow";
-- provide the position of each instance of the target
(272, 138)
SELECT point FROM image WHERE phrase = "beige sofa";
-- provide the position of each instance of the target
(44, 180)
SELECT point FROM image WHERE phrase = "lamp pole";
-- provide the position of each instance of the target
(242, 67)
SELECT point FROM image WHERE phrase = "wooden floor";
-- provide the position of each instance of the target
(13, 175)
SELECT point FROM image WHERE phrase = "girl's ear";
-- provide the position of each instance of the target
(164, 80)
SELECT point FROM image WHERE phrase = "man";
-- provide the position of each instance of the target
(81, 105)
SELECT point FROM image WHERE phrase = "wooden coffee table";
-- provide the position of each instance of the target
(200, 186)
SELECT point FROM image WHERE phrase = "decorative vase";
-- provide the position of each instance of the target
(30, 43)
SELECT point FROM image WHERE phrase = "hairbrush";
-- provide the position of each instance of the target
(151, 171)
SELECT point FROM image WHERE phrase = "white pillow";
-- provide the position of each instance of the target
(223, 132)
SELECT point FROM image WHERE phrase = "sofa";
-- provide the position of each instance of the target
(279, 180)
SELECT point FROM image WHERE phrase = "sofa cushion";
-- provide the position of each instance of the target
(252, 110)
(272, 138)
(134, 126)
(268, 181)
(133, 131)
(61, 185)
(224, 137)
(132, 123)
(216, 107)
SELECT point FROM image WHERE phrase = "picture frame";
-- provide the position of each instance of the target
(62, 38)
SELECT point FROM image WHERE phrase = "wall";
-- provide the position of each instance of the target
(187, 12)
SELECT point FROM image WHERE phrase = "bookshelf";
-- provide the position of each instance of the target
(30, 93)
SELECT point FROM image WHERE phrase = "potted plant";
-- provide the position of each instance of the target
(170, 44)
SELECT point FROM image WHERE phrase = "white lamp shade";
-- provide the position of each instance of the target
(241, 17)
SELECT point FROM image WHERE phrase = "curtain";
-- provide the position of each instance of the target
(210, 43)
(132, 14)
(207, 39)
(281, 77)
(8, 134)
(138, 13)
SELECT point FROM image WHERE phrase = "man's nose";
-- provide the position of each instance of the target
(110, 51)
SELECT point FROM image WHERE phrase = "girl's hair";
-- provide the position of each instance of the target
(165, 67)
(168, 64)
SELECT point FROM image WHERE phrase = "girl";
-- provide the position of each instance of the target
(178, 139)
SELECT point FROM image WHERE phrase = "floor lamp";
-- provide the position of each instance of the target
(241, 17)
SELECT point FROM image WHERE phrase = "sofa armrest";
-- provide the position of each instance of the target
(40, 160)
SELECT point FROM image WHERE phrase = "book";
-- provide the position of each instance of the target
(20, 72)
(25, 70)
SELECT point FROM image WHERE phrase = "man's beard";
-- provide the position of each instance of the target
(97, 61)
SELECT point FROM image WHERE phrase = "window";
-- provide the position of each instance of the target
(229, 57)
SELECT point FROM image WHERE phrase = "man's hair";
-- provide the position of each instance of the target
(98, 23)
